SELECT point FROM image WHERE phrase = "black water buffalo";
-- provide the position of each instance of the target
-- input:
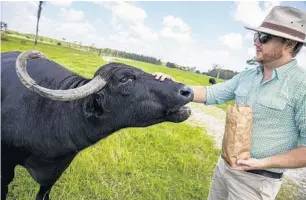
(47, 122)
(212, 81)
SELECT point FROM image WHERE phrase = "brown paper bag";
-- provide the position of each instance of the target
(236, 142)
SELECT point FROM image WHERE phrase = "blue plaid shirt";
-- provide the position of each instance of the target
(279, 107)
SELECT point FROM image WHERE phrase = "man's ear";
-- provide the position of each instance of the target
(92, 106)
(290, 44)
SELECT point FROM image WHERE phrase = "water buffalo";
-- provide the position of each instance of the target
(212, 81)
(47, 122)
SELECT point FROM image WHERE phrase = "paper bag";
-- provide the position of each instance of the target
(236, 142)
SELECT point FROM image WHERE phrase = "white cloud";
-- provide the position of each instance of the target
(252, 51)
(232, 40)
(23, 19)
(179, 36)
(117, 25)
(249, 36)
(170, 21)
(251, 14)
(98, 22)
(144, 32)
(20, 16)
(60, 3)
(71, 15)
(129, 18)
(128, 43)
(176, 28)
(126, 11)
(75, 29)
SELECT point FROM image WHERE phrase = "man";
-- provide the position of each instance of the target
(276, 90)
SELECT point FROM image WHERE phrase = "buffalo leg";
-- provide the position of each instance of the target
(46, 174)
(7, 175)
(44, 192)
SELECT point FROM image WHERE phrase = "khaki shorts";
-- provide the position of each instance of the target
(231, 184)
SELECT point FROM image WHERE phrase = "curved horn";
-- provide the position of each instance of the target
(91, 87)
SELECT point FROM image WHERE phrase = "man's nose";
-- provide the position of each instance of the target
(257, 43)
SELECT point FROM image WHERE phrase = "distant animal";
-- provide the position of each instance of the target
(47, 122)
(212, 81)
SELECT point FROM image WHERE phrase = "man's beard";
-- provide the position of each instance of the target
(271, 56)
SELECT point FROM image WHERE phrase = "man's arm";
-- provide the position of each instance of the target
(293, 159)
(214, 94)
(199, 94)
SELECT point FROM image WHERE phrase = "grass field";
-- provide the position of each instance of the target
(165, 161)
(135, 164)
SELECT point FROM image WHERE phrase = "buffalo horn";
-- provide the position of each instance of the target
(96, 84)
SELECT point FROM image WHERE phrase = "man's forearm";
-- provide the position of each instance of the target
(295, 158)
(199, 94)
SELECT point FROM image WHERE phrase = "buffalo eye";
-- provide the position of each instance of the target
(125, 79)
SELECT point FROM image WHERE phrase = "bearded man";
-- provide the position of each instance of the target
(276, 90)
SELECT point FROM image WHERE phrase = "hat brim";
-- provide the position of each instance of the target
(276, 33)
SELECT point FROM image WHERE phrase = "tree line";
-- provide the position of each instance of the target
(132, 56)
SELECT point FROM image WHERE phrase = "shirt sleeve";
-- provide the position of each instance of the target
(300, 117)
(222, 92)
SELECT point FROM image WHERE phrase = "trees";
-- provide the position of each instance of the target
(3, 26)
(133, 56)
(252, 61)
(170, 65)
(218, 72)
(38, 18)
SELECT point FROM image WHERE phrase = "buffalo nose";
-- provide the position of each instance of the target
(186, 92)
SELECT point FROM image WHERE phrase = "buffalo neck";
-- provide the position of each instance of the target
(83, 130)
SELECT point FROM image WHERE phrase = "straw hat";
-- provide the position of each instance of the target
(286, 22)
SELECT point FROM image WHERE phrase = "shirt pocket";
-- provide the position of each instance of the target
(275, 97)
(274, 102)
(241, 95)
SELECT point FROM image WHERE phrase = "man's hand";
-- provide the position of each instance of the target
(161, 76)
(251, 164)
(199, 91)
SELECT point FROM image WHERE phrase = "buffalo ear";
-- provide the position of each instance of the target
(93, 106)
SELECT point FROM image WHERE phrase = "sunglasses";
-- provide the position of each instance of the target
(263, 37)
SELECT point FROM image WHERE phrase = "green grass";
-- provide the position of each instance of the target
(81, 62)
(288, 191)
(165, 161)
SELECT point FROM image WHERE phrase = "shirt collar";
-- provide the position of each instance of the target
(282, 70)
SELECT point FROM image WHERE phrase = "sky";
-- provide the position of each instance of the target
(195, 34)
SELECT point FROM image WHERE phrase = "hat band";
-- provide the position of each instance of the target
(284, 29)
